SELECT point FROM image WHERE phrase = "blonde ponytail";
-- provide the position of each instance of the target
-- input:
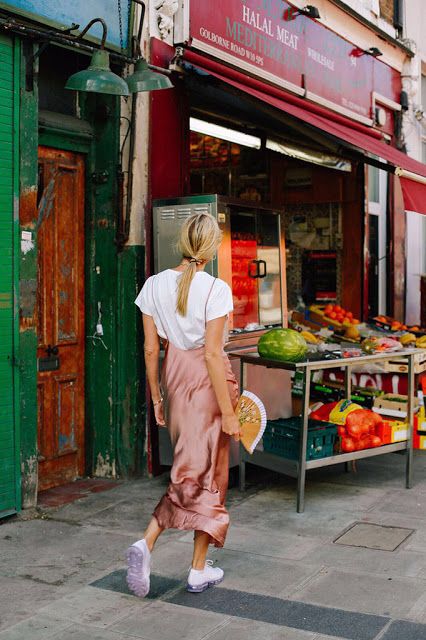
(199, 239)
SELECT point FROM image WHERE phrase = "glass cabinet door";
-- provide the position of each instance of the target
(268, 255)
(244, 269)
(256, 283)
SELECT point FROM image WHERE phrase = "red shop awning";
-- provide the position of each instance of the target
(412, 173)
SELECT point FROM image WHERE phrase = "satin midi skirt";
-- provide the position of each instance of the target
(195, 497)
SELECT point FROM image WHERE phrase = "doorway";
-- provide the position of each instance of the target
(60, 317)
(377, 241)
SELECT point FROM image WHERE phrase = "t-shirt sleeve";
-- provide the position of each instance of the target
(144, 300)
(220, 302)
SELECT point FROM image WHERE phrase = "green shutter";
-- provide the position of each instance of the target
(9, 501)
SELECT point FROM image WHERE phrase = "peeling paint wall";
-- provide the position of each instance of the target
(28, 284)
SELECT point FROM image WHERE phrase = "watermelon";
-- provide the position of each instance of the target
(282, 344)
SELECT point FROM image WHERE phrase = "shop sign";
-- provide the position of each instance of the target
(60, 13)
(300, 54)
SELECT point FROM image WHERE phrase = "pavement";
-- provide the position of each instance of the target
(353, 566)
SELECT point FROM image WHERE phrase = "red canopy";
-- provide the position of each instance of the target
(413, 178)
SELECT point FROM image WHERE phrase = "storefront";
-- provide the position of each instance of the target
(302, 111)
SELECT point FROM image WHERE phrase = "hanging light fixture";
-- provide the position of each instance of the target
(143, 78)
(98, 77)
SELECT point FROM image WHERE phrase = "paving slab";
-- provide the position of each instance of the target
(21, 598)
(403, 630)
(262, 574)
(58, 553)
(92, 606)
(83, 632)
(39, 627)
(368, 593)
(263, 541)
(161, 621)
(401, 563)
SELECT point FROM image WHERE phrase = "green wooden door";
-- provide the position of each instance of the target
(9, 498)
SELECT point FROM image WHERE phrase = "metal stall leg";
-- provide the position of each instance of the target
(301, 476)
(410, 419)
(348, 395)
(242, 464)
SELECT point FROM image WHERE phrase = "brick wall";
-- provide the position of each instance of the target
(386, 10)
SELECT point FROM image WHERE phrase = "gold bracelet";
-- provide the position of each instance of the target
(158, 402)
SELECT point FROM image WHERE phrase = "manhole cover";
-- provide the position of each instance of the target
(374, 536)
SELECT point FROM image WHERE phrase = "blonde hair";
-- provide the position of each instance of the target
(199, 239)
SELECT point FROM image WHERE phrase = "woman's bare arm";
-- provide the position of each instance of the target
(216, 370)
(152, 353)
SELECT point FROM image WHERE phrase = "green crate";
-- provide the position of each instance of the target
(282, 437)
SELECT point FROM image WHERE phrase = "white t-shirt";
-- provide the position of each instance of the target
(158, 298)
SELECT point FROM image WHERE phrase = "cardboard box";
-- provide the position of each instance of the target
(402, 367)
(390, 431)
(392, 404)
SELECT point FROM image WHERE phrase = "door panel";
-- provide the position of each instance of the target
(9, 500)
(61, 317)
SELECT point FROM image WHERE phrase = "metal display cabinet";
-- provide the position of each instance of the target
(251, 257)
(298, 468)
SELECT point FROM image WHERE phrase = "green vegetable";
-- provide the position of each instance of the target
(282, 344)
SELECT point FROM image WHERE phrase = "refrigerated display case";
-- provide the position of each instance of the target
(251, 259)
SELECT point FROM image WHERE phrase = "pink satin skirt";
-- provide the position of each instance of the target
(195, 497)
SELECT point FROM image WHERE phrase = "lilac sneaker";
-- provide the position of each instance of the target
(138, 568)
(199, 581)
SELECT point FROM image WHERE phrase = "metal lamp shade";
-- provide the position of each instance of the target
(143, 79)
(98, 77)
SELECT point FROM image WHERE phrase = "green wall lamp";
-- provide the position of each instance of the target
(144, 79)
(98, 77)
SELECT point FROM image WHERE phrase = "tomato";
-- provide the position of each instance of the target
(354, 321)
(349, 315)
(375, 441)
(354, 431)
(337, 308)
(348, 445)
(341, 431)
(365, 442)
(340, 317)
(328, 308)
(333, 315)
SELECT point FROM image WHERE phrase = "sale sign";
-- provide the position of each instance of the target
(268, 39)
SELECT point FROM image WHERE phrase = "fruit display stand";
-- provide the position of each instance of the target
(298, 468)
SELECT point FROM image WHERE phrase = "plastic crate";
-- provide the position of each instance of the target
(282, 437)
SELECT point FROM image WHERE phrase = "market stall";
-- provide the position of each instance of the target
(276, 455)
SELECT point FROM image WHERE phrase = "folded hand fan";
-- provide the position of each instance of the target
(252, 416)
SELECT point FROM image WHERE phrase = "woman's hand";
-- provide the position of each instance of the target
(231, 426)
(159, 414)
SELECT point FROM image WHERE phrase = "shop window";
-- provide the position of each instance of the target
(56, 66)
(229, 169)
(373, 184)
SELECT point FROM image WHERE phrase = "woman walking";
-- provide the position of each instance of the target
(196, 400)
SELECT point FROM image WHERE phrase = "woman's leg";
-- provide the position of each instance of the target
(152, 533)
(201, 545)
